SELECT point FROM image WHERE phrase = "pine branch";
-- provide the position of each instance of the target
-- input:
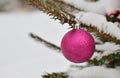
(46, 43)
(101, 34)
(111, 60)
(59, 13)
(55, 75)
(53, 10)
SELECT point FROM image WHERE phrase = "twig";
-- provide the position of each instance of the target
(46, 43)
(49, 11)
(56, 75)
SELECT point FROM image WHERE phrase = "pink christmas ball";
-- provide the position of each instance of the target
(78, 45)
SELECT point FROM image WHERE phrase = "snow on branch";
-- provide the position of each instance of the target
(108, 47)
(109, 55)
(96, 6)
(99, 21)
(94, 72)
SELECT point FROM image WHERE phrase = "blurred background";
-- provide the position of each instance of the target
(20, 55)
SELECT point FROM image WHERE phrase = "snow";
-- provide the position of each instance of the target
(94, 72)
(20, 55)
(97, 7)
(95, 15)
(108, 46)
(99, 21)
(100, 7)
(111, 6)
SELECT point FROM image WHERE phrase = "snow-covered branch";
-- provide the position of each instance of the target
(99, 21)
(94, 72)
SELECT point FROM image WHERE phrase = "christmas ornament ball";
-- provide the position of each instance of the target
(78, 45)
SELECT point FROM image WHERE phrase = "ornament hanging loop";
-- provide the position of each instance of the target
(76, 27)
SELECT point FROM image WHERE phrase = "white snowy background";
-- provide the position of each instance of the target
(20, 55)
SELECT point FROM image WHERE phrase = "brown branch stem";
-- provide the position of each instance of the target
(48, 44)
(60, 17)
